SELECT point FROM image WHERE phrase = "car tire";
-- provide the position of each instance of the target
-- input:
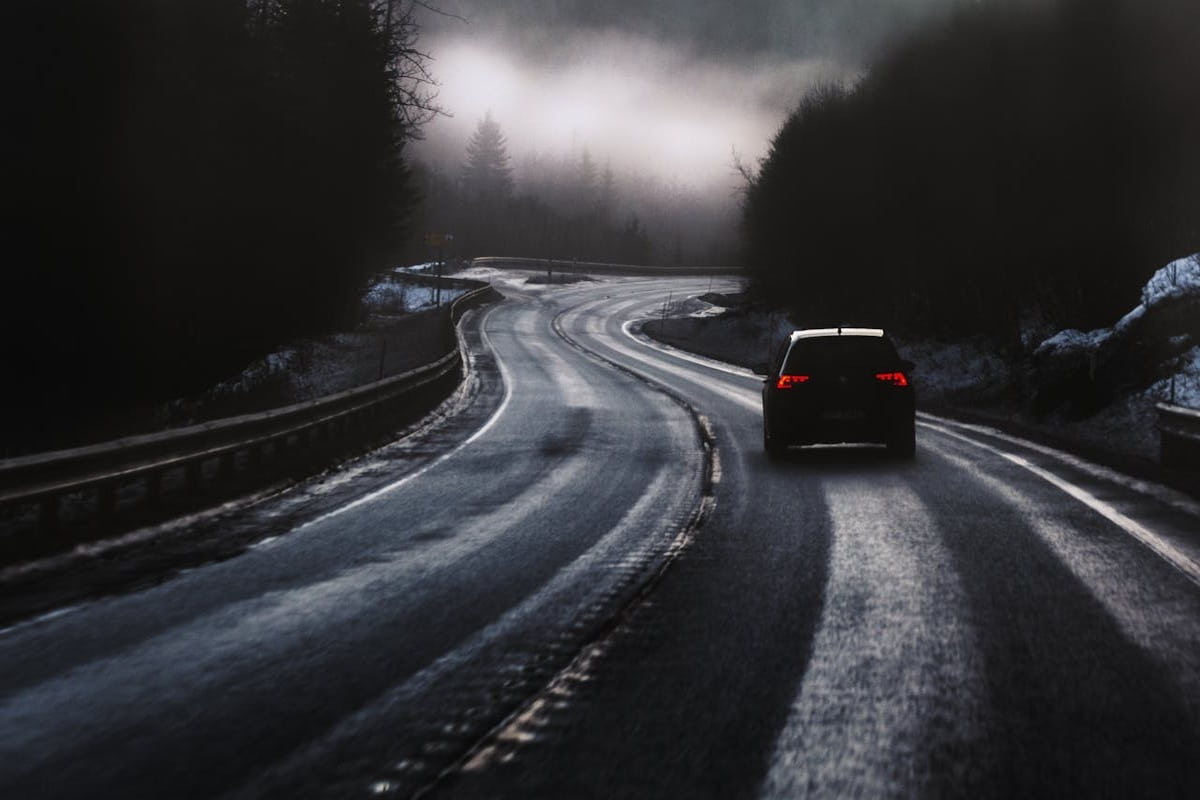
(903, 444)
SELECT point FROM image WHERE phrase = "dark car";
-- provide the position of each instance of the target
(834, 385)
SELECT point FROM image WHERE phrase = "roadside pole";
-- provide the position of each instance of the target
(437, 271)
(437, 243)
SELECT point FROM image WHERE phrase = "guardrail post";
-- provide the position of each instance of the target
(227, 465)
(154, 489)
(256, 454)
(106, 500)
(1179, 437)
(48, 513)
(193, 474)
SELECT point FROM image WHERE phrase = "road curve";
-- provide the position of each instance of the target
(590, 582)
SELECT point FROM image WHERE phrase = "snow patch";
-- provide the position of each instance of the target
(417, 269)
(1177, 282)
(394, 295)
(1183, 387)
(273, 366)
(1072, 340)
(946, 371)
(1177, 279)
(696, 308)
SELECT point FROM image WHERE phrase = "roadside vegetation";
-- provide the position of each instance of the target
(400, 324)
(187, 184)
(1019, 169)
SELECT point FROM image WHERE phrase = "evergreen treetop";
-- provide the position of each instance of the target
(486, 175)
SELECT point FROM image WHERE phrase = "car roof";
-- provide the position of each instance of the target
(812, 333)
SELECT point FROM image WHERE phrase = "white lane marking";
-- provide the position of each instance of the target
(38, 620)
(505, 376)
(645, 516)
(49, 713)
(895, 674)
(1163, 494)
(618, 551)
(1156, 543)
(244, 641)
(1153, 614)
(521, 324)
(719, 366)
(273, 540)
(747, 398)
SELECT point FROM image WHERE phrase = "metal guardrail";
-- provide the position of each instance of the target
(561, 265)
(1179, 436)
(103, 469)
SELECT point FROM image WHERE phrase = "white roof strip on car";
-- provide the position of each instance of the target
(809, 333)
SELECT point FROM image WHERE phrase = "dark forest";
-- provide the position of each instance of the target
(189, 182)
(1017, 159)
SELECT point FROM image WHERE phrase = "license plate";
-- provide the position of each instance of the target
(844, 415)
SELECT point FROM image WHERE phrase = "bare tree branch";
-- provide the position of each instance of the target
(749, 175)
(436, 10)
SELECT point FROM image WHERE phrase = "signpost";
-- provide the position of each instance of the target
(438, 242)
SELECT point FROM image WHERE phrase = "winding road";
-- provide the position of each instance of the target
(583, 578)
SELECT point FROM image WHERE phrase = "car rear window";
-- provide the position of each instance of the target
(822, 352)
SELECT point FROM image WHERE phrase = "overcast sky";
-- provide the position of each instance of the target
(666, 86)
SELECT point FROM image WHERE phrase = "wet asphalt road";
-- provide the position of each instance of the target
(590, 582)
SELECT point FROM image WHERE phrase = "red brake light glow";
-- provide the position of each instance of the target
(894, 378)
(788, 381)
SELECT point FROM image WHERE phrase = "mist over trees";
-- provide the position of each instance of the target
(565, 207)
(1027, 159)
(189, 182)
(846, 28)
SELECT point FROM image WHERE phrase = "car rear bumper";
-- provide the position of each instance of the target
(834, 432)
(800, 423)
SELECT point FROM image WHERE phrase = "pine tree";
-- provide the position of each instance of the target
(606, 197)
(487, 176)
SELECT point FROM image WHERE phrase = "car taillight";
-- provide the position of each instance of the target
(894, 378)
(788, 381)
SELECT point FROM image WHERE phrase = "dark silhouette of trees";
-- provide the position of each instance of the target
(563, 208)
(190, 182)
(485, 186)
(486, 175)
(1018, 159)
